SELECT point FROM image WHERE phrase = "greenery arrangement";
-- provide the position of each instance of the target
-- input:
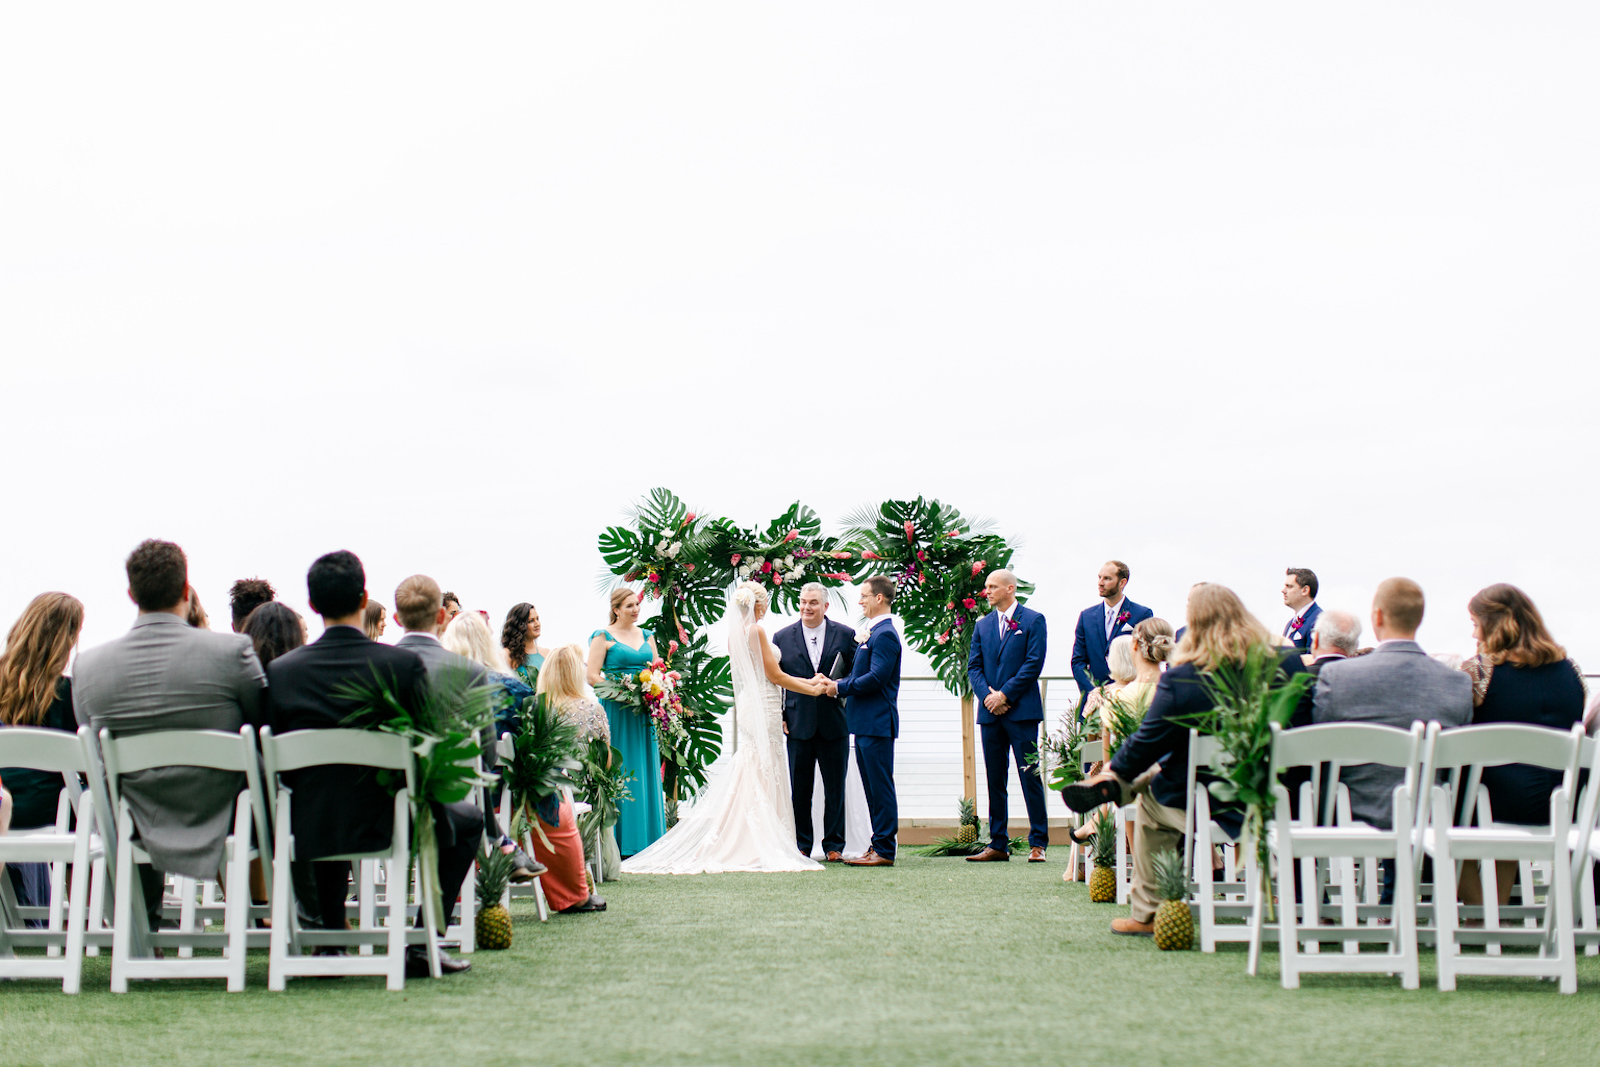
(603, 784)
(1065, 748)
(1124, 718)
(443, 727)
(544, 760)
(969, 839)
(939, 560)
(1247, 698)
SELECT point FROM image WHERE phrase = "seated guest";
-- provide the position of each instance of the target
(196, 616)
(35, 692)
(1300, 596)
(1336, 636)
(374, 620)
(340, 810)
(166, 675)
(468, 635)
(1394, 685)
(247, 595)
(519, 640)
(1220, 631)
(452, 606)
(419, 608)
(273, 629)
(562, 683)
(1521, 675)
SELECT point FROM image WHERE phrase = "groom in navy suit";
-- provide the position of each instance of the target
(1300, 596)
(1008, 647)
(1098, 626)
(873, 712)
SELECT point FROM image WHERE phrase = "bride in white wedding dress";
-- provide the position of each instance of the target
(744, 820)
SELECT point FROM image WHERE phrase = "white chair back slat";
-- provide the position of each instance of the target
(52, 751)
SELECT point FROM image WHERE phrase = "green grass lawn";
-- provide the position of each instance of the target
(933, 961)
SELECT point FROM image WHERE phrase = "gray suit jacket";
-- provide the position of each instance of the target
(435, 658)
(165, 675)
(1394, 685)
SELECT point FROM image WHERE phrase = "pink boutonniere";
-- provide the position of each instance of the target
(1012, 625)
(1297, 622)
(1121, 619)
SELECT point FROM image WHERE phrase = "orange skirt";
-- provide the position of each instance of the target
(566, 884)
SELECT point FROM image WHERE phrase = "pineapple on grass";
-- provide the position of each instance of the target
(493, 927)
(967, 833)
(1103, 882)
(1174, 923)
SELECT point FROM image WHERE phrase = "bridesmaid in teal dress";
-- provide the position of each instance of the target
(623, 648)
(520, 639)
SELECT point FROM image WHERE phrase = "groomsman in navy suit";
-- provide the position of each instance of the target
(1098, 626)
(1008, 647)
(1300, 596)
(873, 712)
(815, 726)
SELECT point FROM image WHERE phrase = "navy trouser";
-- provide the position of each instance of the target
(1002, 739)
(832, 754)
(875, 761)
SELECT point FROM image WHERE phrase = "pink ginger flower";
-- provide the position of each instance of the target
(736, 558)
(911, 530)
(793, 535)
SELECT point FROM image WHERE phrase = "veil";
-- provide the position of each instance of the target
(749, 676)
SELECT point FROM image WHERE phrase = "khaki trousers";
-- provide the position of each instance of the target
(1155, 827)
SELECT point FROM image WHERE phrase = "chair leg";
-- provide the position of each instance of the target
(1405, 922)
(97, 901)
(1586, 906)
(1559, 895)
(58, 880)
(185, 888)
(77, 912)
(122, 905)
(366, 892)
(1288, 935)
(1489, 879)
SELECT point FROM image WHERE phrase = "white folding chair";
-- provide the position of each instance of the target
(1240, 883)
(217, 750)
(358, 748)
(1488, 745)
(55, 752)
(1585, 850)
(1299, 840)
(1091, 752)
(506, 749)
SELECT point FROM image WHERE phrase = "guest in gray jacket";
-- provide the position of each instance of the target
(166, 675)
(1394, 685)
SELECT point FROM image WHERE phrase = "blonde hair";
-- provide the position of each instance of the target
(756, 591)
(618, 597)
(562, 675)
(36, 655)
(196, 615)
(1221, 629)
(1119, 659)
(1155, 637)
(468, 635)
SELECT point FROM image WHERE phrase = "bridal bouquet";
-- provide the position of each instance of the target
(653, 691)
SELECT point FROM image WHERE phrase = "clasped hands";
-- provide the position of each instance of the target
(825, 686)
(996, 702)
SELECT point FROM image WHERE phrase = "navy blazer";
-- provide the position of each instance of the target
(1089, 645)
(808, 716)
(873, 687)
(1163, 736)
(1301, 635)
(1012, 666)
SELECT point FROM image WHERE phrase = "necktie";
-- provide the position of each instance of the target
(1003, 627)
(1110, 622)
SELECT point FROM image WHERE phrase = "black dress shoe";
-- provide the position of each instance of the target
(417, 963)
(1090, 794)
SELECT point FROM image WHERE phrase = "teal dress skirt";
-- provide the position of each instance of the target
(643, 818)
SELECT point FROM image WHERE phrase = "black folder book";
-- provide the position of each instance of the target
(837, 670)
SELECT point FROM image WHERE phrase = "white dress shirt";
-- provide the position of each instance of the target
(815, 639)
(1004, 615)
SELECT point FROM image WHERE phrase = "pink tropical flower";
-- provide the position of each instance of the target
(793, 535)
(841, 555)
(766, 568)
(970, 604)
(977, 568)
(736, 558)
(870, 555)
(911, 530)
(688, 518)
(777, 579)
(943, 638)
(672, 648)
(922, 555)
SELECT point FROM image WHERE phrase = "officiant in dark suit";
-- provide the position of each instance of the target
(815, 725)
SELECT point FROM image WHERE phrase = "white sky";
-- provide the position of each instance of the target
(1215, 289)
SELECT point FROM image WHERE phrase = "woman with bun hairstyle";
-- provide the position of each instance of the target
(623, 648)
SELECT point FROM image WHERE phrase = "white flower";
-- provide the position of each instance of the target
(660, 551)
(800, 571)
(758, 561)
(673, 549)
(788, 561)
(744, 570)
(863, 632)
(744, 598)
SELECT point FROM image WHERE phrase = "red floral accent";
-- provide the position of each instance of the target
(911, 531)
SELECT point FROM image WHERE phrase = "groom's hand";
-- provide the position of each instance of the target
(995, 702)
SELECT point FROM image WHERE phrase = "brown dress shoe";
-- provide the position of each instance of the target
(1132, 927)
(1035, 854)
(990, 855)
(871, 859)
(835, 857)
